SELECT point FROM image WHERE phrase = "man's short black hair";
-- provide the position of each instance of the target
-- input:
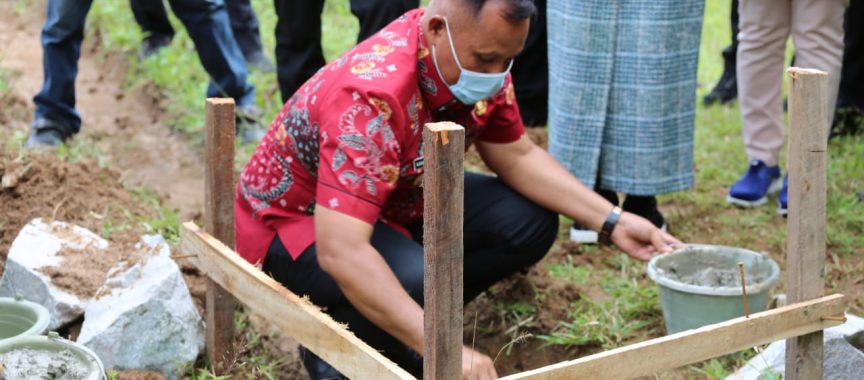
(515, 10)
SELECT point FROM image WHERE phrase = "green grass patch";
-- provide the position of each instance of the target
(626, 307)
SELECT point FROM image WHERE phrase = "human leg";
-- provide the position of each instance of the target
(298, 43)
(55, 118)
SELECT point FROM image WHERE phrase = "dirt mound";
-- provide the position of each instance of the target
(34, 185)
(509, 335)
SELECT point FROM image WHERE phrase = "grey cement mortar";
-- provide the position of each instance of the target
(34, 364)
(709, 271)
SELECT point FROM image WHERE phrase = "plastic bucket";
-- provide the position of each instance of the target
(22, 318)
(701, 284)
(44, 357)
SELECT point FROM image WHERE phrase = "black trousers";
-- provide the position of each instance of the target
(852, 77)
(503, 234)
(152, 16)
(531, 72)
(298, 35)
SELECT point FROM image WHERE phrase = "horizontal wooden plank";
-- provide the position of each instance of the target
(655, 355)
(293, 315)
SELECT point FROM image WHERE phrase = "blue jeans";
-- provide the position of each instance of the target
(205, 20)
(153, 19)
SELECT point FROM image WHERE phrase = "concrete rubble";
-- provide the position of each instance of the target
(142, 316)
(148, 319)
(37, 246)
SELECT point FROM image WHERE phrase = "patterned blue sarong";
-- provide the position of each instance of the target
(622, 89)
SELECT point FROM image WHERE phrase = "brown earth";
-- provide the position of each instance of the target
(39, 185)
(126, 124)
(129, 128)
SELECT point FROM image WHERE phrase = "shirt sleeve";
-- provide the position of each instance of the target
(359, 152)
(505, 123)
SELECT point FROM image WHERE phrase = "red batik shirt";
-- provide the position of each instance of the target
(350, 140)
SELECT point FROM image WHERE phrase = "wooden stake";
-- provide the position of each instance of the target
(744, 290)
(219, 222)
(691, 346)
(443, 196)
(805, 252)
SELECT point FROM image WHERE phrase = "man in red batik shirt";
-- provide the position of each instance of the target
(330, 204)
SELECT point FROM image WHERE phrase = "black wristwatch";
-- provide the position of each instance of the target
(605, 236)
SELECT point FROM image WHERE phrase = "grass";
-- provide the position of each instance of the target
(625, 304)
(5, 81)
(625, 308)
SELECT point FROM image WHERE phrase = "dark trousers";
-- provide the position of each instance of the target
(152, 16)
(852, 77)
(503, 234)
(205, 20)
(531, 72)
(730, 52)
(298, 35)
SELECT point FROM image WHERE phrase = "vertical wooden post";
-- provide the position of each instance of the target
(443, 194)
(805, 252)
(219, 222)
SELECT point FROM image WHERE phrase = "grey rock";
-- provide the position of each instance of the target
(37, 246)
(147, 319)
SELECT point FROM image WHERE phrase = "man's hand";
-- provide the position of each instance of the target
(639, 238)
(476, 366)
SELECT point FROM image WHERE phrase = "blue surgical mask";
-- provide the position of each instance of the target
(472, 86)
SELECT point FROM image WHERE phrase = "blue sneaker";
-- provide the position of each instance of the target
(753, 188)
(783, 197)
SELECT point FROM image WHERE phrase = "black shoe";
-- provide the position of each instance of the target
(318, 369)
(248, 123)
(47, 134)
(847, 121)
(861, 196)
(726, 89)
(260, 62)
(645, 207)
(152, 44)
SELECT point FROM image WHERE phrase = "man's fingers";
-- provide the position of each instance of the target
(669, 238)
(659, 241)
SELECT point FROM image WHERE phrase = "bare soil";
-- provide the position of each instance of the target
(129, 126)
(134, 374)
(40, 185)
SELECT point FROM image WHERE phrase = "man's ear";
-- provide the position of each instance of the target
(437, 27)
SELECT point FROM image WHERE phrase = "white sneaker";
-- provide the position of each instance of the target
(583, 236)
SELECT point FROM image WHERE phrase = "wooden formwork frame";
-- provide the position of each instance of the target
(801, 322)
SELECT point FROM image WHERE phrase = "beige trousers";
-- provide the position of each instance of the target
(816, 27)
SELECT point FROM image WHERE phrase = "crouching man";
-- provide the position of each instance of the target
(330, 204)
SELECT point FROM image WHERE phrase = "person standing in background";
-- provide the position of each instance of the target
(531, 72)
(56, 119)
(816, 27)
(622, 97)
(152, 17)
(726, 89)
(298, 35)
(849, 116)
